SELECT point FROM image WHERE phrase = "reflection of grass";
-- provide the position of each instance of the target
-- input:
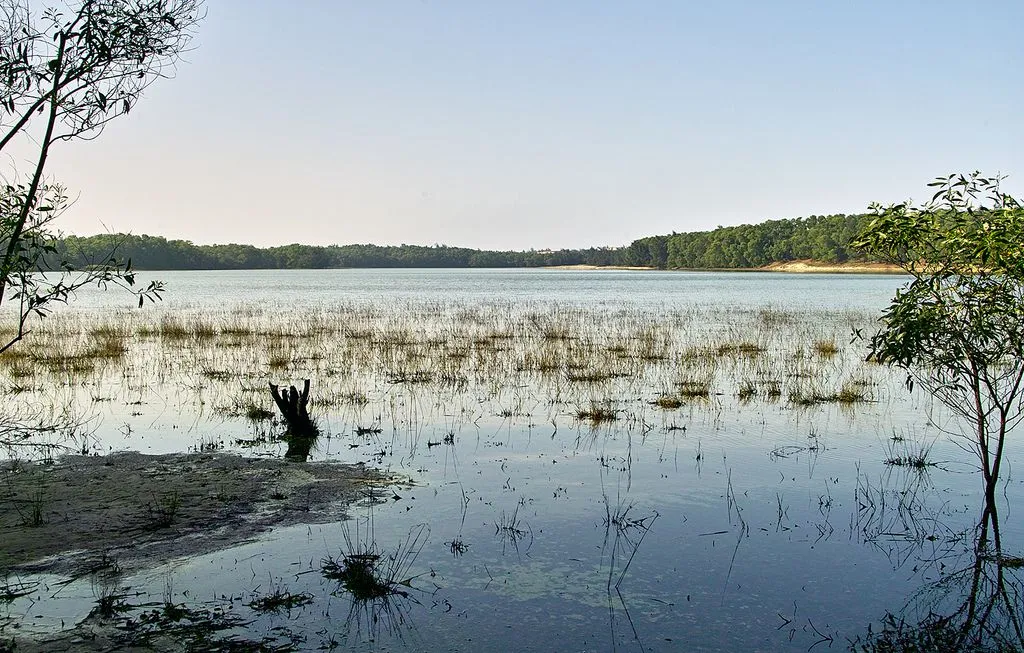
(368, 573)
(10, 591)
(186, 628)
(513, 530)
(896, 635)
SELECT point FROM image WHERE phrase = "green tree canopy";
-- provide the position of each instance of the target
(957, 327)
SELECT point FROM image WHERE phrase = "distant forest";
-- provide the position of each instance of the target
(822, 238)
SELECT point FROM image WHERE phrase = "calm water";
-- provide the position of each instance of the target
(298, 288)
(722, 525)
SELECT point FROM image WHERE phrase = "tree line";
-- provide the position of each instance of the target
(158, 253)
(822, 238)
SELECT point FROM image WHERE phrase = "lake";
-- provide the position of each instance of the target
(596, 460)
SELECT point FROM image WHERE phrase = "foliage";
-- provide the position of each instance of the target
(820, 238)
(958, 326)
(156, 253)
(64, 74)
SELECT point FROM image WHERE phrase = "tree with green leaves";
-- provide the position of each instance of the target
(957, 327)
(65, 72)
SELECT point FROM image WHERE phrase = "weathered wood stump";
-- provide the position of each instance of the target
(293, 406)
(302, 430)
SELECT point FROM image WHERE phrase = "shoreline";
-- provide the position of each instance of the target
(802, 266)
(585, 266)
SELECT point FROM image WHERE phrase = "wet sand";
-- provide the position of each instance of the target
(143, 510)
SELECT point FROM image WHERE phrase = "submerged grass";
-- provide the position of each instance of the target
(368, 361)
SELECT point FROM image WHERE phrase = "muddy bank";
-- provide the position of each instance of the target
(142, 510)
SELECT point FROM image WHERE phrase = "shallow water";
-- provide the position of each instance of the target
(724, 524)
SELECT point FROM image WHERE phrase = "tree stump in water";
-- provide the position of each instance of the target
(293, 406)
(302, 431)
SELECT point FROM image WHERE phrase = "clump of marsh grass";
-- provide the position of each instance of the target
(366, 572)
(901, 453)
(106, 588)
(668, 401)
(799, 397)
(597, 413)
(590, 375)
(339, 398)
(255, 413)
(108, 347)
(694, 388)
(278, 358)
(773, 318)
(176, 328)
(747, 391)
(457, 546)
(278, 599)
(743, 348)
(851, 392)
(825, 348)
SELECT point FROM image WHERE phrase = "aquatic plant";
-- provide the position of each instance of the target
(901, 453)
(278, 598)
(366, 572)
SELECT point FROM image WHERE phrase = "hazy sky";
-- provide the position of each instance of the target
(549, 124)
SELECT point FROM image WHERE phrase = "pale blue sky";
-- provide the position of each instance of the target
(543, 124)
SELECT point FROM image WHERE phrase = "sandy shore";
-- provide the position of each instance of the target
(833, 268)
(807, 265)
(597, 267)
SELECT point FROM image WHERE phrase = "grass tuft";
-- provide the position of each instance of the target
(597, 414)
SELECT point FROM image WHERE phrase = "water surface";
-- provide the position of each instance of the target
(727, 523)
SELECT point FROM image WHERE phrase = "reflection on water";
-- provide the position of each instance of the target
(973, 603)
(683, 465)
